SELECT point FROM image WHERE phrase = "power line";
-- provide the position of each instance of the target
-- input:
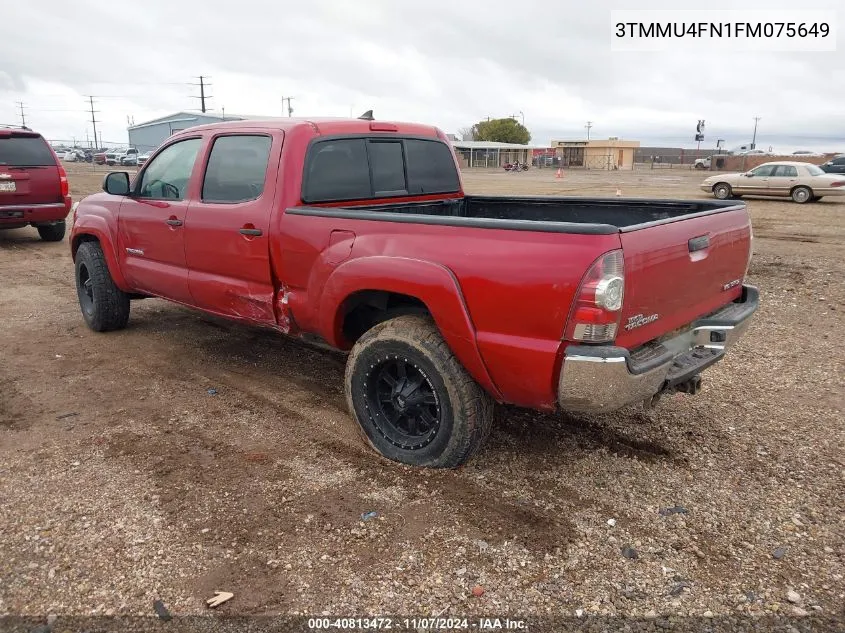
(202, 96)
(754, 139)
(93, 119)
(23, 116)
(290, 109)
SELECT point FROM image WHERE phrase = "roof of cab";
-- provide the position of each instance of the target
(325, 126)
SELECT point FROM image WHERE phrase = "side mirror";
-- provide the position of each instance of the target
(116, 183)
(749, 174)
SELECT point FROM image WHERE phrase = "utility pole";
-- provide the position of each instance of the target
(23, 116)
(588, 126)
(754, 138)
(93, 120)
(289, 108)
(202, 97)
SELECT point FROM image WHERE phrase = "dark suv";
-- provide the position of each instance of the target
(33, 184)
(835, 166)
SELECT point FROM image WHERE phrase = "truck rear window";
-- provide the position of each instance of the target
(362, 168)
(25, 151)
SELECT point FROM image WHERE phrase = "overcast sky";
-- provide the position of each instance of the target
(447, 62)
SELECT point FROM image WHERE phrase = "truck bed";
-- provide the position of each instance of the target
(553, 214)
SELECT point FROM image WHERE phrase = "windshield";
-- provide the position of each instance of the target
(815, 171)
(25, 151)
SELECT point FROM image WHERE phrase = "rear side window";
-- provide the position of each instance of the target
(25, 151)
(431, 167)
(237, 168)
(362, 168)
(785, 171)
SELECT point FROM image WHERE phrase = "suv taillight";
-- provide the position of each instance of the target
(63, 181)
(598, 305)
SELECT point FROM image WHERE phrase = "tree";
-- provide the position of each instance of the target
(467, 133)
(501, 131)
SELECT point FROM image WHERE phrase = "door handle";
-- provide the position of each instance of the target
(250, 232)
(174, 222)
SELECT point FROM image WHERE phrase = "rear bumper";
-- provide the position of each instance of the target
(602, 379)
(21, 214)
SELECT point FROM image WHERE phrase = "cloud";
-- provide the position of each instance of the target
(447, 62)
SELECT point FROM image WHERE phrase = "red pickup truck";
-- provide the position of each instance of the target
(357, 233)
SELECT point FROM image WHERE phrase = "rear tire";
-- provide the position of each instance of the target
(801, 195)
(412, 399)
(52, 232)
(722, 190)
(104, 306)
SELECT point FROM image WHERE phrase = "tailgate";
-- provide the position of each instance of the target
(681, 270)
(28, 170)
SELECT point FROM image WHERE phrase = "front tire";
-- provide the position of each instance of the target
(104, 306)
(722, 190)
(801, 195)
(412, 399)
(52, 232)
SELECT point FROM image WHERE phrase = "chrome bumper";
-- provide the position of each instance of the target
(601, 379)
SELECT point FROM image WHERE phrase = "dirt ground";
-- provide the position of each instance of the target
(123, 480)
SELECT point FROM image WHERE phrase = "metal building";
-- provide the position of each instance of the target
(147, 136)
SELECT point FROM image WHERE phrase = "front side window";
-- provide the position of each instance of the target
(763, 171)
(237, 168)
(166, 176)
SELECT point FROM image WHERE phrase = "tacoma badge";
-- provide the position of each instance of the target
(639, 320)
(731, 284)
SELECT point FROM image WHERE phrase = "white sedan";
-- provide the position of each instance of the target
(803, 182)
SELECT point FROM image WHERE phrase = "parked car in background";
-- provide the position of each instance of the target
(33, 184)
(836, 165)
(143, 158)
(702, 163)
(359, 235)
(756, 152)
(803, 182)
(805, 153)
(129, 160)
(74, 156)
(99, 157)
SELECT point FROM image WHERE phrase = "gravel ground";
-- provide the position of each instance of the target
(123, 480)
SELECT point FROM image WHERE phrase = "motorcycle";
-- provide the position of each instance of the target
(516, 167)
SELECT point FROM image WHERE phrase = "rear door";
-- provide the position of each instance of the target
(782, 180)
(151, 224)
(227, 230)
(29, 173)
(681, 270)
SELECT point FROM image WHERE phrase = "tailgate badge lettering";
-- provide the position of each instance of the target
(5, 176)
(731, 284)
(638, 320)
(135, 251)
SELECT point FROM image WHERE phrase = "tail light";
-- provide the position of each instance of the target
(598, 305)
(63, 181)
(750, 250)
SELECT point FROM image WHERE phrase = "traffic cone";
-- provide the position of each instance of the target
(559, 173)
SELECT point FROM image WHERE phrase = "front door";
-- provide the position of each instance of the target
(754, 182)
(227, 230)
(151, 223)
